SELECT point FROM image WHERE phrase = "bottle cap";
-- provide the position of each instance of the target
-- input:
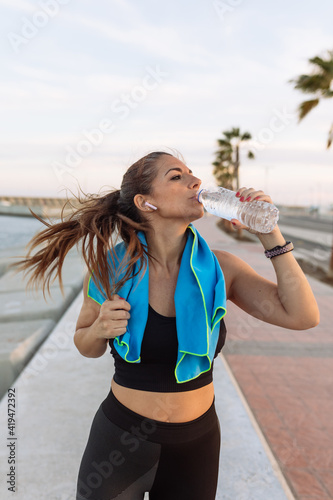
(198, 195)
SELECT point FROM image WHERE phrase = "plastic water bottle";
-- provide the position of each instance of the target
(257, 215)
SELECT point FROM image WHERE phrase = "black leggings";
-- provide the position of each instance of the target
(128, 454)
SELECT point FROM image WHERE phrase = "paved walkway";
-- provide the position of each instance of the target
(56, 397)
(286, 377)
(313, 235)
(280, 377)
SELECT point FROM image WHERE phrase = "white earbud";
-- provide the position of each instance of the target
(150, 205)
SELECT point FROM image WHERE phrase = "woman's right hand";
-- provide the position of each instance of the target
(112, 319)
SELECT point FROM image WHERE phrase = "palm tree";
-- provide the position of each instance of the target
(223, 164)
(319, 83)
(227, 161)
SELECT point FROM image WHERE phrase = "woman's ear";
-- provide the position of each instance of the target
(142, 204)
(139, 202)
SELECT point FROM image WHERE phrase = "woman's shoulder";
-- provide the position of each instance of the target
(231, 265)
(226, 258)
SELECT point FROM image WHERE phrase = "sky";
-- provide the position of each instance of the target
(87, 88)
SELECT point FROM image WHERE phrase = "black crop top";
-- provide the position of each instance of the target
(159, 350)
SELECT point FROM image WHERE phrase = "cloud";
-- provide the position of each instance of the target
(32, 96)
(297, 45)
(220, 74)
(18, 5)
(35, 73)
(160, 41)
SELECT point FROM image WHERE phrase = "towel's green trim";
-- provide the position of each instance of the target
(196, 277)
(203, 297)
(206, 315)
(224, 313)
(207, 323)
(192, 378)
(122, 343)
(88, 295)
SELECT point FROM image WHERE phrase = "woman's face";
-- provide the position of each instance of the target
(174, 190)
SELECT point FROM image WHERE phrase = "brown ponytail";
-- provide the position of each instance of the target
(97, 224)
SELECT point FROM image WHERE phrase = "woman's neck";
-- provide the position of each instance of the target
(166, 247)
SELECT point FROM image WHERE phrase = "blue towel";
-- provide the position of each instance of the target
(200, 301)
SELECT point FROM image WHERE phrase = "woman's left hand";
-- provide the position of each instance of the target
(246, 195)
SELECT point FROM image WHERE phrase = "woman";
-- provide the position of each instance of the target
(158, 299)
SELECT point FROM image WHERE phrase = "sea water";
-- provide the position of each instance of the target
(16, 232)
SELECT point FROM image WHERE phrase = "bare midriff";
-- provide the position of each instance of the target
(166, 406)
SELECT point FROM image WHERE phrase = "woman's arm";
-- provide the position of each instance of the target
(289, 303)
(97, 324)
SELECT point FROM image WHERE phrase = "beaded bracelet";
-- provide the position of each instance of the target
(279, 250)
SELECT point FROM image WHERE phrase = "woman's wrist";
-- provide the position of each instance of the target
(95, 332)
(88, 343)
(273, 239)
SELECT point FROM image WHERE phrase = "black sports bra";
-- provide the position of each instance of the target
(159, 350)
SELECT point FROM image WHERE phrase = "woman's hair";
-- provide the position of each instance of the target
(96, 224)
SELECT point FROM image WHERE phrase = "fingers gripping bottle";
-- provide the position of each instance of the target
(257, 215)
